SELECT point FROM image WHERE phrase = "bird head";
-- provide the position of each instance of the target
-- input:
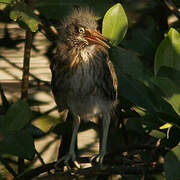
(80, 29)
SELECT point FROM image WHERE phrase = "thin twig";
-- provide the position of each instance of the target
(42, 161)
(172, 7)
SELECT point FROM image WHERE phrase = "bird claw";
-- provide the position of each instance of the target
(66, 158)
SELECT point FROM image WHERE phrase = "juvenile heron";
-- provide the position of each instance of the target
(83, 77)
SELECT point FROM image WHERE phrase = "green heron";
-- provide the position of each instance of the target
(83, 77)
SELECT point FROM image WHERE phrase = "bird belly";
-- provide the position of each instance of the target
(89, 106)
(78, 91)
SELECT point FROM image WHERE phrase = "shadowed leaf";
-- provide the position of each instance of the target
(17, 143)
(168, 52)
(17, 116)
(170, 90)
(172, 164)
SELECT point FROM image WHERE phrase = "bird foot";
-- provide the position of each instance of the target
(98, 159)
(66, 158)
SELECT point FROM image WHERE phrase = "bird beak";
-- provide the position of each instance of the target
(96, 37)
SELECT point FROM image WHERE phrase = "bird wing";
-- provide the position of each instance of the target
(109, 82)
(57, 66)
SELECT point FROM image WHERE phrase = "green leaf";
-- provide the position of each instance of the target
(170, 73)
(157, 134)
(168, 52)
(6, 1)
(164, 110)
(127, 62)
(115, 24)
(170, 90)
(20, 144)
(134, 124)
(150, 122)
(172, 164)
(166, 126)
(17, 116)
(136, 92)
(22, 13)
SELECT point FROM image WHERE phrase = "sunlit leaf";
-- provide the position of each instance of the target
(21, 12)
(172, 164)
(6, 1)
(168, 52)
(166, 126)
(115, 24)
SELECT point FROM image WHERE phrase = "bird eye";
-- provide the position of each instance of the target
(81, 30)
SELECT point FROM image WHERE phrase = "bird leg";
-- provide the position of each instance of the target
(71, 154)
(106, 122)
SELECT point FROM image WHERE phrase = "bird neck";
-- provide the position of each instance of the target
(78, 53)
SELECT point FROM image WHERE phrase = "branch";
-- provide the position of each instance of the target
(172, 7)
(153, 168)
(27, 54)
(35, 172)
(25, 76)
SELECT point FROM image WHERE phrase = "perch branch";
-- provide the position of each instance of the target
(95, 171)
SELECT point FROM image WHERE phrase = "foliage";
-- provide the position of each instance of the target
(115, 24)
(147, 63)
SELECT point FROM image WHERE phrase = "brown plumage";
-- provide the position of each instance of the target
(83, 77)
